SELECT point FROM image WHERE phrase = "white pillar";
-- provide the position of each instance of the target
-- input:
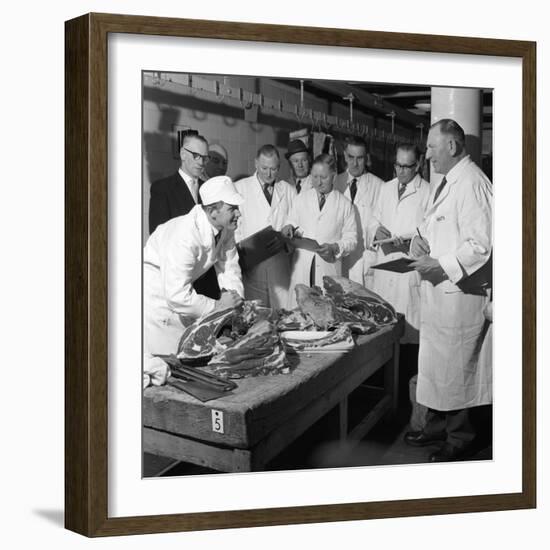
(464, 105)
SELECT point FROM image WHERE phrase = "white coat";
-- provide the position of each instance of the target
(335, 223)
(176, 254)
(401, 216)
(452, 371)
(269, 281)
(356, 265)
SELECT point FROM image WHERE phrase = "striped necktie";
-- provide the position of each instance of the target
(440, 188)
(353, 189)
(401, 190)
(268, 190)
(322, 200)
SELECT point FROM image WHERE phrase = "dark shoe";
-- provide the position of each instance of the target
(421, 438)
(447, 453)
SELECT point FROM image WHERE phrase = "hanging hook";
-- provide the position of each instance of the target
(301, 96)
(351, 98)
(392, 115)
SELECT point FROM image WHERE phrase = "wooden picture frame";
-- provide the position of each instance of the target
(86, 279)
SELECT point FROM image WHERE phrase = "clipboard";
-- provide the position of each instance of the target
(401, 265)
(254, 249)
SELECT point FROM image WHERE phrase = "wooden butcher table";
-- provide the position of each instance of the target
(245, 429)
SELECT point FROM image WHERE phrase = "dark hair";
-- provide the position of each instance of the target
(451, 128)
(188, 135)
(327, 160)
(268, 150)
(407, 146)
(355, 141)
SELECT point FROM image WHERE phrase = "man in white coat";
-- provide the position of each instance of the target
(300, 163)
(454, 375)
(325, 215)
(266, 203)
(361, 188)
(178, 253)
(399, 210)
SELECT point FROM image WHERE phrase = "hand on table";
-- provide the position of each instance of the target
(229, 299)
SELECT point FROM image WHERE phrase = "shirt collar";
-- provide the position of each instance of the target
(187, 178)
(351, 178)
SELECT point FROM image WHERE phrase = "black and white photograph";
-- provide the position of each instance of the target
(317, 273)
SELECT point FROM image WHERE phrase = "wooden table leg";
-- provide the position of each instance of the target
(391, 377)
(343, 414)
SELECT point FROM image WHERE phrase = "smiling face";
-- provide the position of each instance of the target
(439, 151)
(267, 168)
(406, 166)
(193, 147)
(226, 217)
(355, 156)
(300, 164)
(322, 178)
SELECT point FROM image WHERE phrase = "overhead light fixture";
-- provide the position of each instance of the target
(423, 106)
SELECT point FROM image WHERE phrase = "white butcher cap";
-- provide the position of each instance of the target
(220, 188)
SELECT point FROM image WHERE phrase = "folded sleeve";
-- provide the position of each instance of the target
(475, 230)
(176, 270)
(348, 239)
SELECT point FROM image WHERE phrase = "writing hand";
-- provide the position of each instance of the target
(419, 247)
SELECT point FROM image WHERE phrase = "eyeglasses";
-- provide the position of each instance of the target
(405, 166)
(197, 156)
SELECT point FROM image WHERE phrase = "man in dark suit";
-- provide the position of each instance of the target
(178, 193)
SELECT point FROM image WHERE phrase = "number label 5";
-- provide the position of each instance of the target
(217, 421)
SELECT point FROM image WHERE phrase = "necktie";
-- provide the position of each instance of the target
(268, 189)
(197, 194)
(401, 190)
(217, 238)
(440, 188)
(353, 189)
(298, 186)
(195, 191)
(322, 200)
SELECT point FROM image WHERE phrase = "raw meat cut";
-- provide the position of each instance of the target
(274, 363)
(199, 340)
(258, 352)
(257, 342)
(365, 305)
(293, 320)
(320, 309)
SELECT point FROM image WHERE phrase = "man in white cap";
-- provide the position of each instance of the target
(179, 252)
